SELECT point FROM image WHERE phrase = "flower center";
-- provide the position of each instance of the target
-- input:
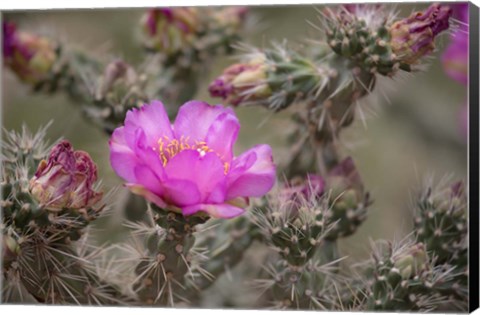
(168, 148)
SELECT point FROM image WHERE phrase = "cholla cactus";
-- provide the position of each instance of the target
(366, 43)
(196, 219)
(184, 38)
(44, 213)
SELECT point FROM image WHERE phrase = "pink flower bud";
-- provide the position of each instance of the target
(168, 30)
(66, 180)
(242, 82)
(30, 56)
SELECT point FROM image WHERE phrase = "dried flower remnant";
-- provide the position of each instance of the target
(189, 167)
(66, 180)
(414, 37)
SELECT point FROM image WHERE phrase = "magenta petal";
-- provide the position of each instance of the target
(225, 211)
(152, 119)
(181, 192)
(144, 192)
(147, 178)
(206, 170)
(195, 118)
(252, 173)
(222, 135)
(122, 158)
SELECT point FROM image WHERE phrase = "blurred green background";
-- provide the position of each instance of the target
(414, 135)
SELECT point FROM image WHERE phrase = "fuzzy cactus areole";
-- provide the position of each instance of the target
(189, 166)
(65, 180)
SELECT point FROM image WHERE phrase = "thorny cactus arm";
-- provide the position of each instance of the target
(163, 272)
(441, 224)
(45, 213)
(224, 243)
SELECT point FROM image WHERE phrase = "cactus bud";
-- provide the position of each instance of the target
(412, 262)
(349, 202)
(116, 72)
(31, 57)
(66, 180)
(168, 30)
(242, 82)
(10, 249)
(413, 37)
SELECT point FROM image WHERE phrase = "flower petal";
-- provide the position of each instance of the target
(152, 119)
(225, 211)
(222, 134)
(195, 118)
(206, 170)
(181, 192)
(125, 157)
(147, 194)
(122, 158)
(252, 173)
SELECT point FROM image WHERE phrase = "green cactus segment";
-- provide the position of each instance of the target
(441, 222)
(225, 243)
(163, 272)
(294, 227)
(351, 38)
(398, 278)
(309, 287)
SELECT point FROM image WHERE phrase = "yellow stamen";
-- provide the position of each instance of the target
(167, 149)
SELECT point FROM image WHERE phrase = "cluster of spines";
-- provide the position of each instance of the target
(403, 276)
(441, 222)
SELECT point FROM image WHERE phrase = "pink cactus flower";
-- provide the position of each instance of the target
(66, 180)
(189, 166)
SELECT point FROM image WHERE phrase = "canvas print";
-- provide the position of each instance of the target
(302, 157)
